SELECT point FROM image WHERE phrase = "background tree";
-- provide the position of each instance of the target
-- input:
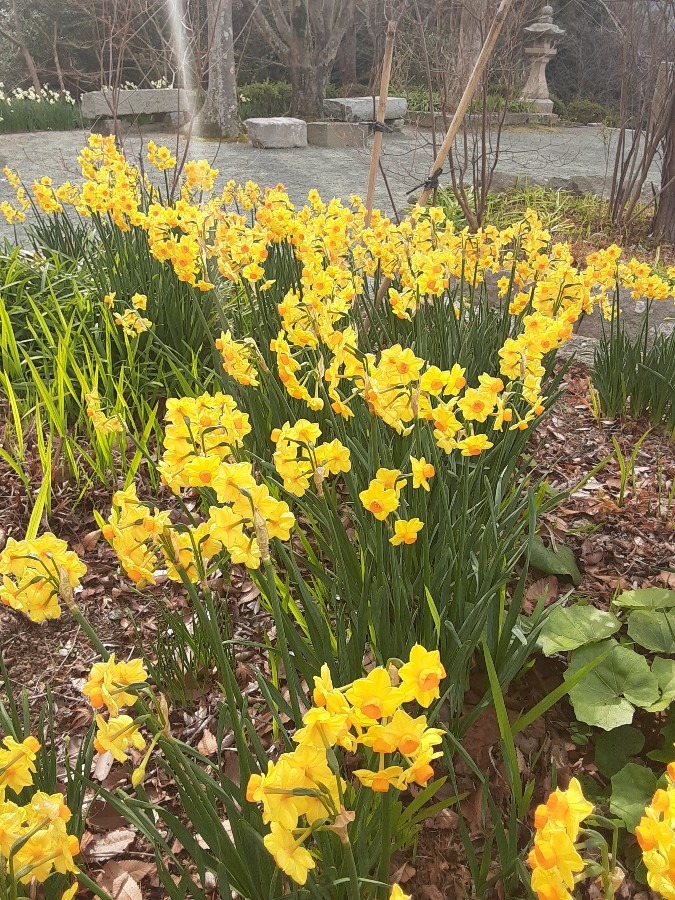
(305, 35)
(218, 115)
(12, 28)
(664, 221)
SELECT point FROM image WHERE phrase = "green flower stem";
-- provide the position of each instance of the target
(88, 630)
(385, 850)
(293, 689)
(353, 874)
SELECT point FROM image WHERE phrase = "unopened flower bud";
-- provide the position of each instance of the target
(262, 536)
(319, 475)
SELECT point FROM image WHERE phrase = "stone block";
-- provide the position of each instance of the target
(361, 109)
(277, 132)
(337, 134)
(142, 102)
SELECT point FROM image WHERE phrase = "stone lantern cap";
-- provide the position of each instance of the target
(545, 27)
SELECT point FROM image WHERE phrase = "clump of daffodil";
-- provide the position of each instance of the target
(237, 359)
(656, 837)
(304, 792)
(113, 685)
(102, 424)
(554, 859)
(34, 840)
(300, 459)
(31, 575)
(201, 435)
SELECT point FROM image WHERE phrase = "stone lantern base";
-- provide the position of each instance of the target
(542, 107)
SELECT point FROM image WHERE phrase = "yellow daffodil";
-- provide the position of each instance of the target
(117, 735)
(421, 676)
(374, 696)
(422, 471)
(406, 531)
(289, 854)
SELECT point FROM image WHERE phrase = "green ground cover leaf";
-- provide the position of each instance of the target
(554, 562)
(619, 683)
(567, 628)
(653, 629)
(632, 789)
(613, 748)
(646, 598)
(664, 669)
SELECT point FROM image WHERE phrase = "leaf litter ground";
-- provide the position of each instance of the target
(616, 547)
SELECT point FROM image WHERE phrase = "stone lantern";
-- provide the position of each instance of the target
(544, 32)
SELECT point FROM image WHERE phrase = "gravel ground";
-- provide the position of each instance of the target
(540, 153)
(537, 152)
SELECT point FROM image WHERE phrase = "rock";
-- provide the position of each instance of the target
(361, 109)
(582, 348)
(503, 182)
(578, 184)
(337, 134)
(277, 132)
(141, 102)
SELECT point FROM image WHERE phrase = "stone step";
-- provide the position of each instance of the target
(361, 109)
(144, 101)
(277, 132)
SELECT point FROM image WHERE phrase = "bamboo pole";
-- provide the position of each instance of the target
(381, 112)
(467, 96)
(460, 112)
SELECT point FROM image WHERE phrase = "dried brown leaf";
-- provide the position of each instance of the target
(102, 766)
(111, 844)
(208, 745)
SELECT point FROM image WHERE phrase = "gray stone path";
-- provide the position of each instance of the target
(539, 153)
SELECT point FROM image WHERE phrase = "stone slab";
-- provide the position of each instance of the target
(277, 132)
(337, 134)
(427, 120)
(361, 109)
(144, 101)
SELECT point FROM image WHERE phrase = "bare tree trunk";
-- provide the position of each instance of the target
(30, 65)
(308, 80)
(474, 20)
(57, 62)
(219, 114)
(20, 41)
(346, 58)
(664, 222)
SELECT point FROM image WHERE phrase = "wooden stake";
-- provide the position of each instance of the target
(467, 96)
(381, 112)
(460, 112)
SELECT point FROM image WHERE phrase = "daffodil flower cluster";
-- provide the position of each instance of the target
(102, 424)
(554, 860)
(298, 457)
(199, 440)
(32, 572)
(132, 323)
(237, 359)
(14, 213)
(382, 497)
(107, 686)
(304, 792)
(160, 157)
(111, 186)
(34, 841)
(656, 837)
(130, 319)
(200, 433)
